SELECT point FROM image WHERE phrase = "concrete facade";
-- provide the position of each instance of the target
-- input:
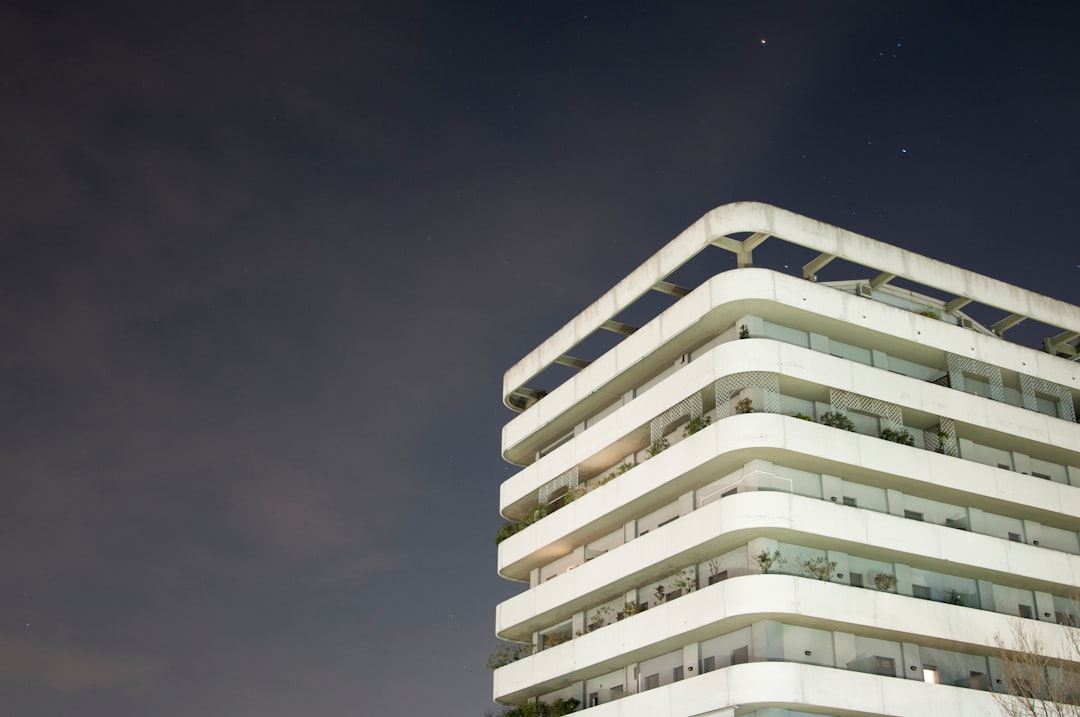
(779, 497)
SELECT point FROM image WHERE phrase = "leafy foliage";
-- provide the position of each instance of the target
(695, 424)
(658, 446)
(516, 526)
(835, 419)
(820, 568)
(885, 581)
(508, 652)
(902, 437)
(766, 560)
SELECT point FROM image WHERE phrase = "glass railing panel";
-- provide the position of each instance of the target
(877, 657)
(955, 668)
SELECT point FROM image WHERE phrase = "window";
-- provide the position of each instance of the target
(708, 664)
(930, 674)
(652, 681)
(729, 491)
(856, 579)
(851, 502)
(594, 699)
(913, 515)
(740, 656)
(920, 591)
(677, 674)
(1015, 537)
(1005, 466)
(1041, 475)
(1026, 611)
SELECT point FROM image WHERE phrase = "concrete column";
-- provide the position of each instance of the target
(832, 488)
(818, 342)
(903, 579)
(1033, 532)
(686, 504)
(841, 567)
(579, 555)
(895, 500)
(977, 520)
(690, 660)
(577, 624)
(1044, 607)
(844, 648)
(880, 359)
(1073, 475)
(767, 640)
(1021, 463)
(911, 659)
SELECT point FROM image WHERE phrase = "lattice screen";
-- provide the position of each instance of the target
(1031, 386)
(844, 401)
(728, 386)
(932, 438)
(690, 406)
(569, 479)
(959, 365)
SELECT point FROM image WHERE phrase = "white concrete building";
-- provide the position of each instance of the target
(712, 524)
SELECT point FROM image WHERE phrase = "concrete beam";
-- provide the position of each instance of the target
(957, 304)
(618, 327)
(754, 241)
(1007, 323)
(810, 270)
(714, 229)
(666, 287)
(733, 245)
(572, 362)
(881, 279)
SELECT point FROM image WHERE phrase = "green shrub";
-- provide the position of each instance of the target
(695, 424)
(506, 653)
(902, 437)
(835, 419)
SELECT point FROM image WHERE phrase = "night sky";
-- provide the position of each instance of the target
(262, 267)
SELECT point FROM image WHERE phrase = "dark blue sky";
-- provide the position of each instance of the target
(262, 267)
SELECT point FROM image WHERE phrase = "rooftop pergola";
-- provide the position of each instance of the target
(755, 223)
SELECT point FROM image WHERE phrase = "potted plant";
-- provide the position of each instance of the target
(820, 568)
(766, 560)
(902, 437)
(657, 447)
(695, 424)
(885, 581)
(835, 419)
